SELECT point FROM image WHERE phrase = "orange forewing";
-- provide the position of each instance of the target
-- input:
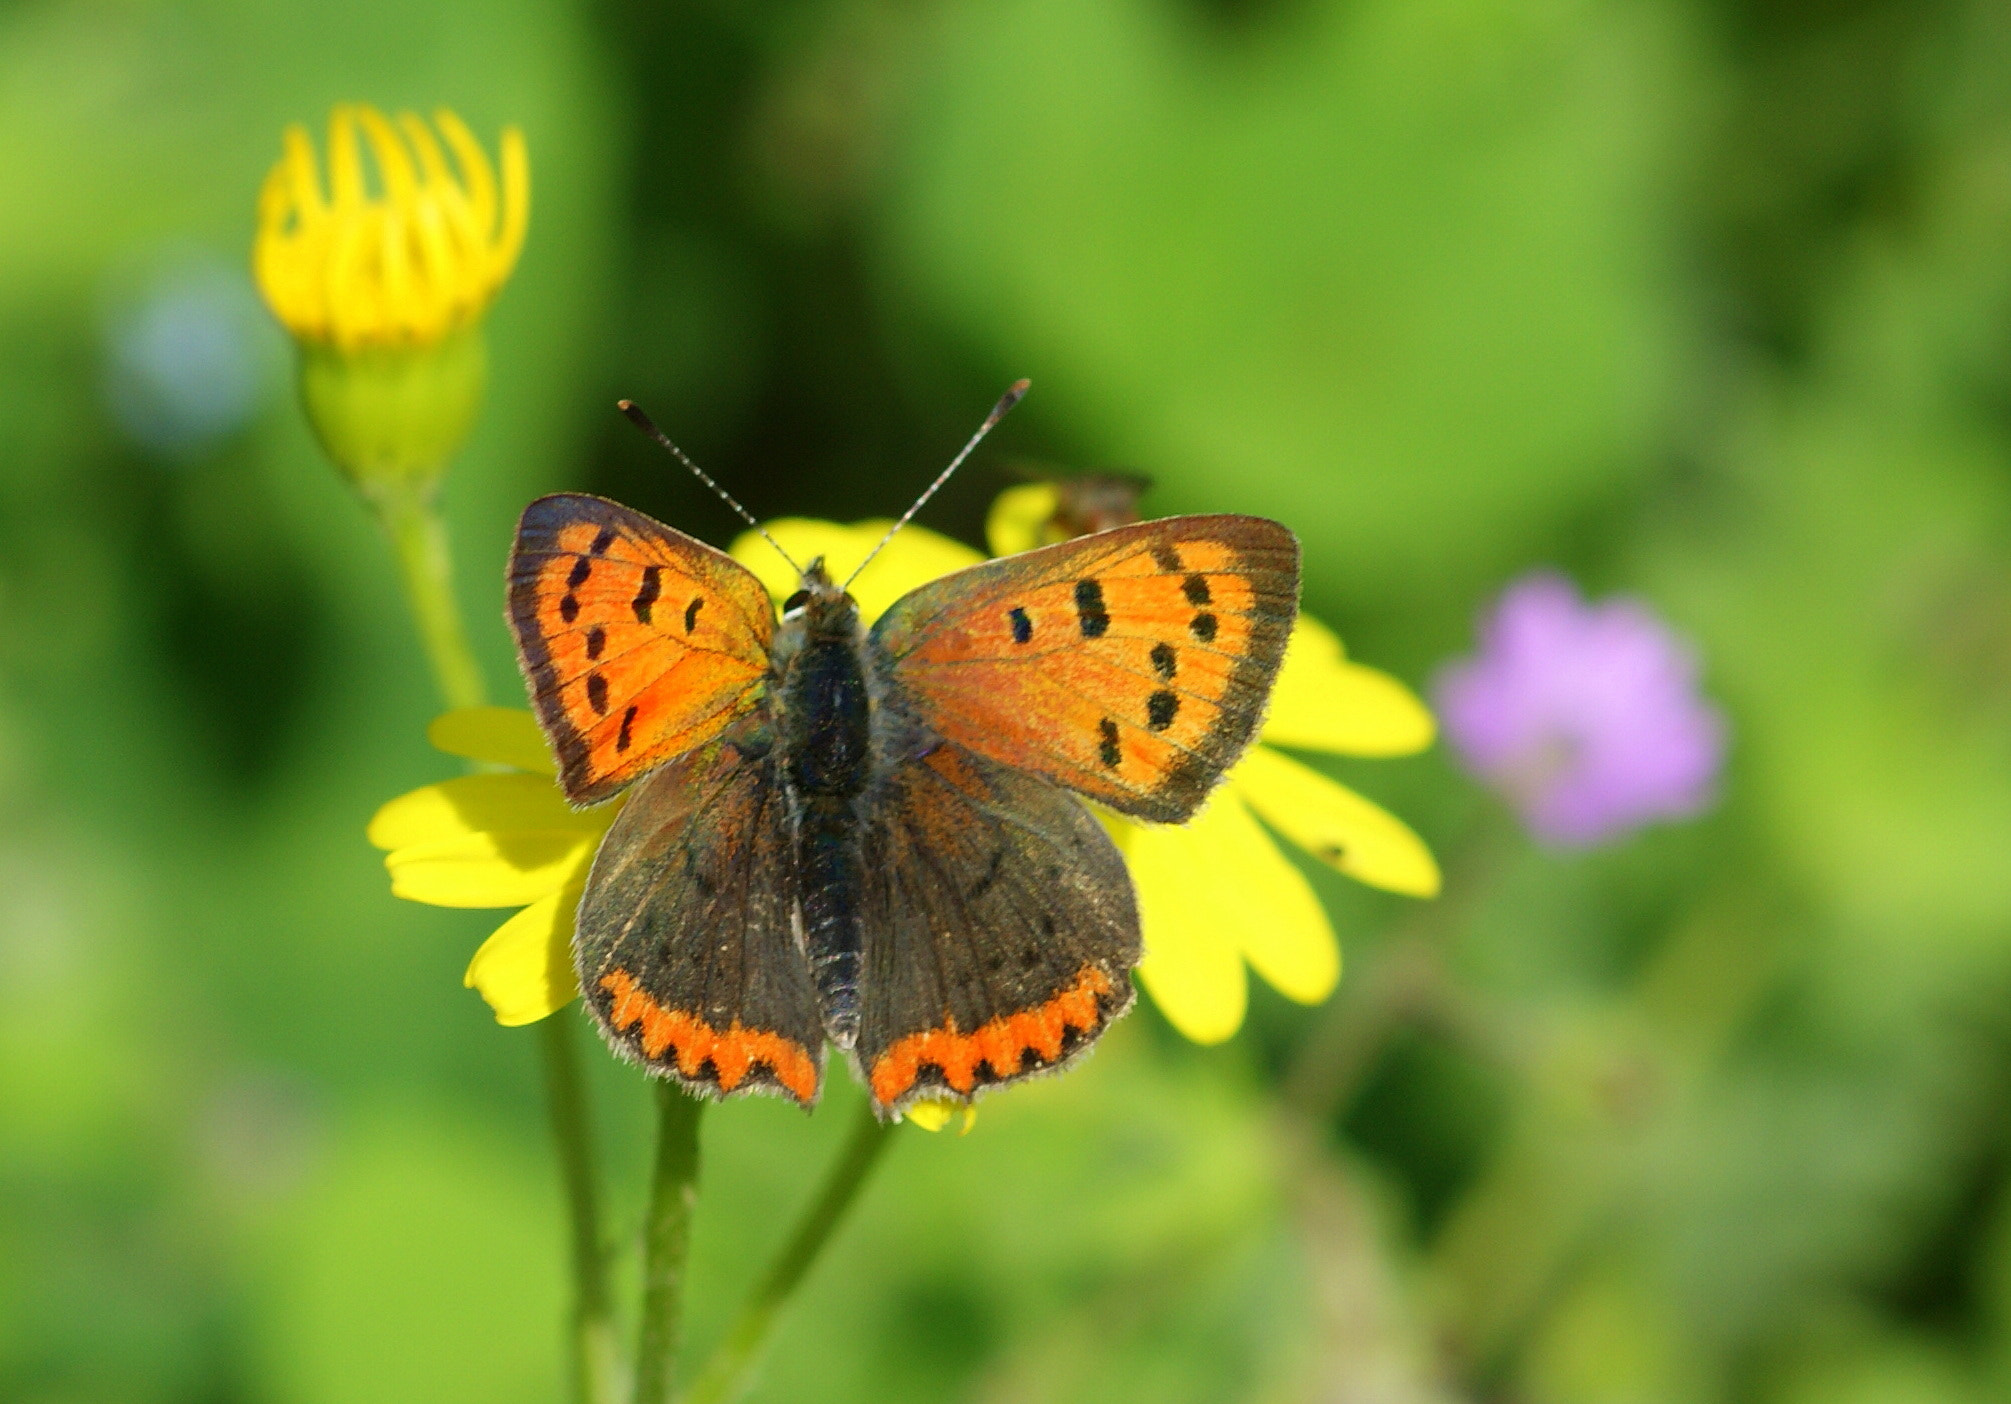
(639, 642)
(1131, 666)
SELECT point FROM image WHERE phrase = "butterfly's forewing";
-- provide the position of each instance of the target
(1131, 665)
(1000, 929)
(685, 945)
(638, 642)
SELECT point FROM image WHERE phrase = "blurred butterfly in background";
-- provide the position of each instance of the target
(868, 836)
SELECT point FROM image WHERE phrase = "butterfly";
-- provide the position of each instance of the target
(872, 837)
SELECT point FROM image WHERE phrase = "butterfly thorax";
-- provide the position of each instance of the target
(822, 715)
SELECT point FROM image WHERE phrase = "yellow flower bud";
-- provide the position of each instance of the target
(383, 288)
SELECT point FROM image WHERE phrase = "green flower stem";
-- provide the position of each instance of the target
(600, 1372)
(730, 1370)
(667, 1240)
(419, 540)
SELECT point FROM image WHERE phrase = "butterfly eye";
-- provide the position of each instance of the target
(796, 602)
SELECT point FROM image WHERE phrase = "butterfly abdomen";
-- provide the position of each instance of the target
(824, 716)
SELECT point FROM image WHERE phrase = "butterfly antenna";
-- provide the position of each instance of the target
(999, 411)
(648, 426)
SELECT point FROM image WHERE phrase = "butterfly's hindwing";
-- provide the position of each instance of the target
(639, 643)
(1000, 929)
(1132, 665)
(686, 948)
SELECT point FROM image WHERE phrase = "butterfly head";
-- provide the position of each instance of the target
(821, 606)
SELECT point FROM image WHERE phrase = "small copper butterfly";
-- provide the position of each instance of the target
(868, 836)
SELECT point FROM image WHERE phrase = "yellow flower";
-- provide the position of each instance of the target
(1216, 892)
(407, 266)
(384, 292)
(502, 839)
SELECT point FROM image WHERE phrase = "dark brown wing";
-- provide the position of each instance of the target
(999, 929)
(686, 947)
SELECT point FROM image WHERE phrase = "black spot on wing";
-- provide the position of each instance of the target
(597, 692)
(1022, 627)
(1161, 708)
(1164, 661)
(582, 568)
(621, 742)
(602, 542)
(569, 608)
(1108, 750)
(691, 612)
(1089, 610)
(645, 597)
(596, 641)
(1195, 588)
(1203, 627)
(1167, 558)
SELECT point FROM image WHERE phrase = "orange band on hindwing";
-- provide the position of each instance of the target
(1000, 1045)
(733, 1054)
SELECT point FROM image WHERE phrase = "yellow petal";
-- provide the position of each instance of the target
(478, 177)
(498, 735)
(935, 1114)
(1019, 516)
(804, 539)
(490, 870)
(472, 804)
(1335, 824)
(1193, 968)
(525, 969)
(1323, 702)
(914, 557)
(1267, 904)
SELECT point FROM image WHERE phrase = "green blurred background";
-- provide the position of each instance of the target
(1704, 299)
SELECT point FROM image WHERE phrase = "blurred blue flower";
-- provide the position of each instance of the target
(187, 359)
(1586, 717)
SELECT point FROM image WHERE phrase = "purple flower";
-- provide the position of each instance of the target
(1585, 716)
